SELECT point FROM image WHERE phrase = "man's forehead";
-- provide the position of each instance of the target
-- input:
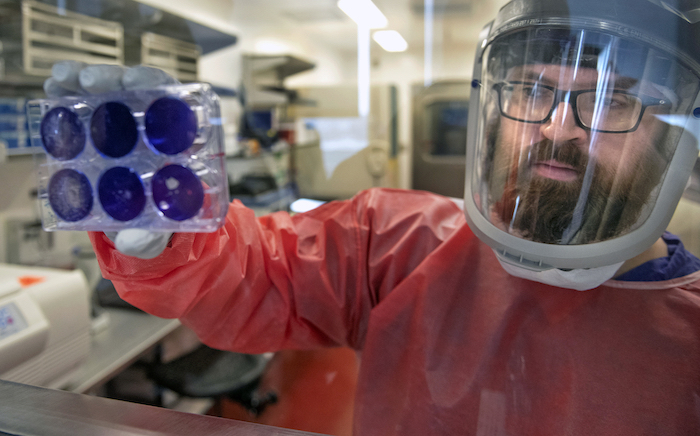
(559, 74)
(577, 77)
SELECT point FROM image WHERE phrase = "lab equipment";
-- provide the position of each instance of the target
(150, 159)
(13, 126)
(336, 152)
(44, 324)
(440, 113)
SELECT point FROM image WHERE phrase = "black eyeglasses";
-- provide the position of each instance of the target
(608, 111)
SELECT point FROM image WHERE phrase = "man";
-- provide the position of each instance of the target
(577, 156)
(550, 173)
(577, 150)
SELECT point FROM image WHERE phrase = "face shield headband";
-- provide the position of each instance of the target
(573, 142)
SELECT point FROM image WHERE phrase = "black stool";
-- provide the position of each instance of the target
(210, 373)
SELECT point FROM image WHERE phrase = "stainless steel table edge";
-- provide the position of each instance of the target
(30, 410)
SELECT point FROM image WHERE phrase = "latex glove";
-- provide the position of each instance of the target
(140, 243)
(78, 78)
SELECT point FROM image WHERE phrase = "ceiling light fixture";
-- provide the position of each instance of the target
(390, 40)
(364, 13)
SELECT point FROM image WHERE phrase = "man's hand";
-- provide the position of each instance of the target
(78, 78)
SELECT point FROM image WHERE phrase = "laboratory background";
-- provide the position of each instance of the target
(319, 99)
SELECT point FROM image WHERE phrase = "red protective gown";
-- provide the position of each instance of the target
(450, 344)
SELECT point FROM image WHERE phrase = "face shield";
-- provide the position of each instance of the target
(581, 142)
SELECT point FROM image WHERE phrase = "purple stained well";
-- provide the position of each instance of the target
(62, 133)
(70, 195)
(171, 126)
(177, 192)
(121, 193)
(113, 129)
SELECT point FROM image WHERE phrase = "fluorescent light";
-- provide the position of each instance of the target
(271, 47)
(390, 40)
(428, 43)
(304, 205)
(363, 71)
(364, 13)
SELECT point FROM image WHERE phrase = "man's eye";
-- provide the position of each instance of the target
(531, 91)
(616, 100)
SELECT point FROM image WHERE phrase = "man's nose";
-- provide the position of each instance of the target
(562, 125)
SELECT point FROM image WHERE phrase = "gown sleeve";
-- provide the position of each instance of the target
(280, 281)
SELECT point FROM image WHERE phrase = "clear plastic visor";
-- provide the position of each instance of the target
(574, 133)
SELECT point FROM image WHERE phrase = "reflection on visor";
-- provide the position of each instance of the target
(581, 48)
(574, 145)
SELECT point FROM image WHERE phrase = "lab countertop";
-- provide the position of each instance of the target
(128, 334)
(30, 410)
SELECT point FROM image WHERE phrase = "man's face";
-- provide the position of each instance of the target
(558, 182)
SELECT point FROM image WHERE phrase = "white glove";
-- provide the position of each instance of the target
(140, 243)
(78, 78)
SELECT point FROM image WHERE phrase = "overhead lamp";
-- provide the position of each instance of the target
(271, 46)
(364, 13)
(390, 40)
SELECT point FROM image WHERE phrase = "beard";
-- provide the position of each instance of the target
(598, 205)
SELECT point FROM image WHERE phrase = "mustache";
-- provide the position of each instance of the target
(565, 153)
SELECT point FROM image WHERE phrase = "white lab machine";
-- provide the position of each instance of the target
(44, 324)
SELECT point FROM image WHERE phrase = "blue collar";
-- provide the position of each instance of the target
(679, 262)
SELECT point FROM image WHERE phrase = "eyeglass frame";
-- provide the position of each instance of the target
(561, 96)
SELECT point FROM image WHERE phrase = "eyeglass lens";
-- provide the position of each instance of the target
(608, 110)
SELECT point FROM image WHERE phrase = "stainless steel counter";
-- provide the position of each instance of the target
(30, 410)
